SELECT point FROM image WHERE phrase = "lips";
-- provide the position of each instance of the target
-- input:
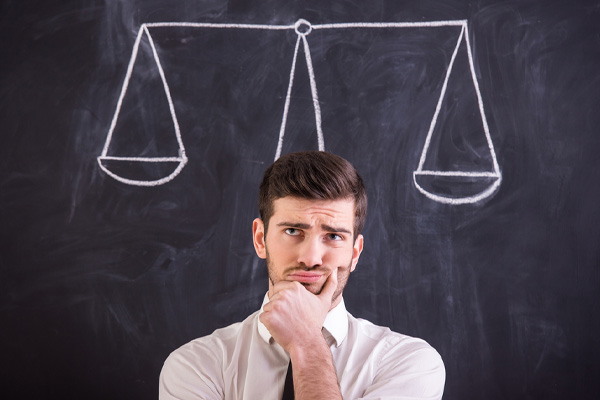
(305, 277)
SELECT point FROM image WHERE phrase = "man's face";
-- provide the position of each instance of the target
(306, 240)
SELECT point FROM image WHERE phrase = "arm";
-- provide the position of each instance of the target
(409, 369)
(294, 317)
(314, 373)
(192, 372)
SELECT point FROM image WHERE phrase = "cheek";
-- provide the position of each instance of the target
(279, 251)
(341, 258)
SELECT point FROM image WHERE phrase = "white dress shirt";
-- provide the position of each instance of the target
(242, 361)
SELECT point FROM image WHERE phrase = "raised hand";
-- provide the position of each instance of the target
(294, 316)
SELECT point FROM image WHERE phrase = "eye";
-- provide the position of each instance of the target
(334, 236)
(292, 231)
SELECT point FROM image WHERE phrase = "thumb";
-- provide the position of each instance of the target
(330, 286)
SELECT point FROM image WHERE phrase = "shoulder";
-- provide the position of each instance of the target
(405, 361)
(217, 343)
(390, 340)
(197, 365)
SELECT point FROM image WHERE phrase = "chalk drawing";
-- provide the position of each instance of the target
(495, 174)
(303, 29)
(182, 159)
(302, 24)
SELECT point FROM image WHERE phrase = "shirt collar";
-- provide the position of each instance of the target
(336, 323)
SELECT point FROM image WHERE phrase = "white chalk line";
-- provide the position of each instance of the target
(425, 24)
(215, 25)
(143, 159)
(168, 94)
(486, 129)
(313, 86)
(315, 96)
(113, 123)
(343, 25)
(459, 200)
(464, 35)
(133, 182)
(182, 159)
(316, 105)
(313, 90)
(438, 106)
(472, 174)
(286, 106)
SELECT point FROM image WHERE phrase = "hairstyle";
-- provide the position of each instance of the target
(314, 175)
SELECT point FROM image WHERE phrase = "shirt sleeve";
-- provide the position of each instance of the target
(192, 372)
(408, 371)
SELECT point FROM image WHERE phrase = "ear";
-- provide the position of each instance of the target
(258, 237)
(356, 250)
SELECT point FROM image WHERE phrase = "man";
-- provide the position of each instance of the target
(312, 207)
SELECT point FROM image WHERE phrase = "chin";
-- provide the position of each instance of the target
(314, 288)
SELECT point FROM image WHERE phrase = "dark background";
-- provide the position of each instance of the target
(100, 281)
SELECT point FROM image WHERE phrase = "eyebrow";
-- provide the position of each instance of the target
(301, 225)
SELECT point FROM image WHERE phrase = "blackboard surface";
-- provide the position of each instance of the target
(100, 280)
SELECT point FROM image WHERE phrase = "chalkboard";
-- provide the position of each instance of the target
(135, 134)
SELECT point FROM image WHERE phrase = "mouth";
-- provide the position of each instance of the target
(305, 277)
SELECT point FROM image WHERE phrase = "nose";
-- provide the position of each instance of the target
(311, 253)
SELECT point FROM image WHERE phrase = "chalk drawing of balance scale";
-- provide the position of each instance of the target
(303, 28)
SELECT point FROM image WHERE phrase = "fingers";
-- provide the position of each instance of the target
(327, 290)
(330, 286)
(279, 286)
(283, 285)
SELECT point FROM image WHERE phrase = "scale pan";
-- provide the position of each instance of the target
(456, 187)
(142, 171)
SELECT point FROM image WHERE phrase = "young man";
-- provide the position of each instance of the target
(312, 207)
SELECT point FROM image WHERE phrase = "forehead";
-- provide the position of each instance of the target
(295, 209)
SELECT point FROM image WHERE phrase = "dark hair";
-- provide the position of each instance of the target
(313, 175)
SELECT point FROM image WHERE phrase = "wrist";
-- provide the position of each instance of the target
(312, 349)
